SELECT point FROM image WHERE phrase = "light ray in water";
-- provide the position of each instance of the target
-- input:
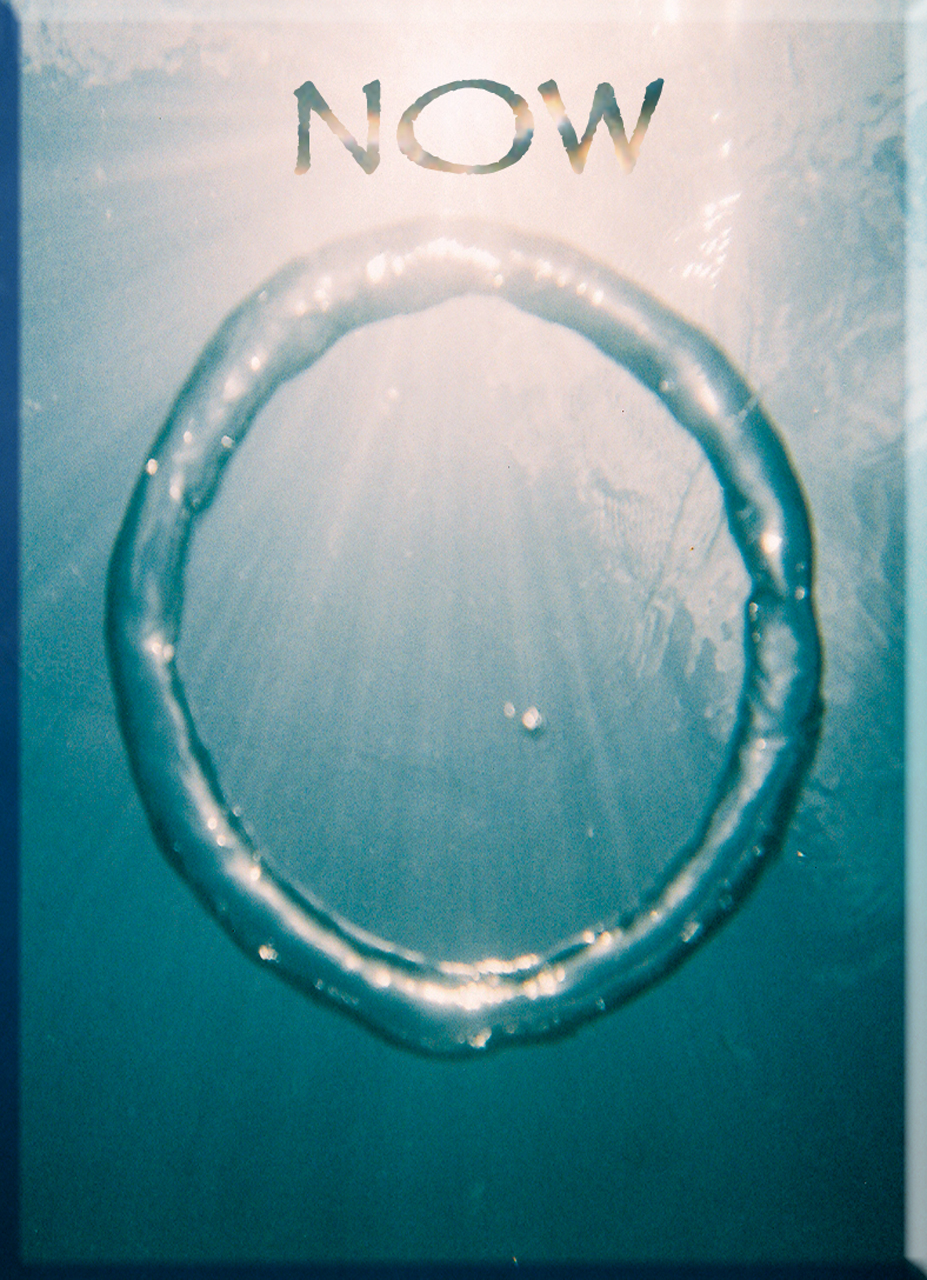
(441, 1006)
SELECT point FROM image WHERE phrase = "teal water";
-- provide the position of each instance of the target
(453, 513)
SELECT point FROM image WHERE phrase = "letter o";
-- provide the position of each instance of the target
(524, 128)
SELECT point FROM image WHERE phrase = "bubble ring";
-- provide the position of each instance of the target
(446, 1007)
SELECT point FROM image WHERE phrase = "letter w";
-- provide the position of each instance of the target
(603, 104)
(309, 99)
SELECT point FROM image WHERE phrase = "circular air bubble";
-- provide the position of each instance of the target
(446, 1006)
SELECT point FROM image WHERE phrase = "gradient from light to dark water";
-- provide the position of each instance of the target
(452, 513)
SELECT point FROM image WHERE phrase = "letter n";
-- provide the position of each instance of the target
(309, 99)
(603, 104)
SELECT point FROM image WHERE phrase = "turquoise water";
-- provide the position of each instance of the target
(454, 514)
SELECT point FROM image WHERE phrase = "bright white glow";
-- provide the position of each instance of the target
(771, 542)
(376, 268)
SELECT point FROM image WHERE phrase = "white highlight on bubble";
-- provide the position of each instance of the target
(376, 268)
(532, 720)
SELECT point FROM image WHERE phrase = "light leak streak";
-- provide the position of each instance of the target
(447, 1007)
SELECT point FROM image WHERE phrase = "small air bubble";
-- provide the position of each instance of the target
(532, 721)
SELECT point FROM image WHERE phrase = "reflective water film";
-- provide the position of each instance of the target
(455, 1006)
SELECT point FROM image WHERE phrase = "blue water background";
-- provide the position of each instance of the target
(452, 512)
